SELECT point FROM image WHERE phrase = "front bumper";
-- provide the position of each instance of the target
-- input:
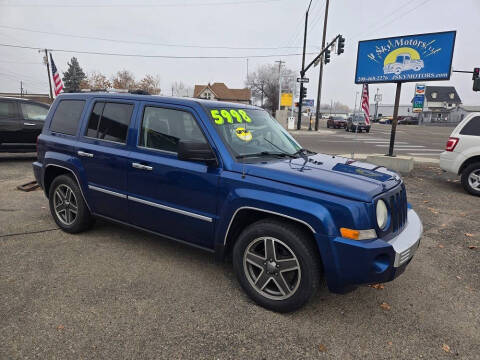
(373, 261)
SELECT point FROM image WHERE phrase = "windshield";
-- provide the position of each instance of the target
(251, 131)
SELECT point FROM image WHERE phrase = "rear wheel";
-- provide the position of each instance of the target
(277, 265)
(471, 179)
(67, 206)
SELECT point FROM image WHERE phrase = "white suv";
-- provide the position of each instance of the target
(462, 153)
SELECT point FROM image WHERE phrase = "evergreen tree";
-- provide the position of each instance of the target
(74, 76)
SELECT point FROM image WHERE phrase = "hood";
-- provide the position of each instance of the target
(330, 174)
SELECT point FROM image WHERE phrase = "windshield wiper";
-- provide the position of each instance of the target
(263, 153)
(303, 152)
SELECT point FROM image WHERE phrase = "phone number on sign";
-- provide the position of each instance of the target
(402, 77)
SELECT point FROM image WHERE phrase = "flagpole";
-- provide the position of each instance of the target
(49, 77)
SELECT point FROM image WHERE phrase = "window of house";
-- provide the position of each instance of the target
(67, 116)
(163, 128)
(472, 127)
(434, 95)
(7, 109)
(110, 121)
(33, 111)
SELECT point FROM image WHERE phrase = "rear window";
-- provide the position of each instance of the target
(67, 116)
(472, 127)
(110, 121)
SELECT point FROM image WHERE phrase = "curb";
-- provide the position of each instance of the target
(417, 159)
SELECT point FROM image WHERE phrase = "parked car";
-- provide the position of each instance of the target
(385, 120)
(356, 123)
(21, 121)
(462, 153)
(408, 120)
(336, 122)
(227, 178)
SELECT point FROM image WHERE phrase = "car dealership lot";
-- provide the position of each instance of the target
(115, 292)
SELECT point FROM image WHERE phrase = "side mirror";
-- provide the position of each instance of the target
(196, 151)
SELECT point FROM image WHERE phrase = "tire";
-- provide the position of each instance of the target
(65, 194)
(367, 130)
(469, 183)
(299, 283)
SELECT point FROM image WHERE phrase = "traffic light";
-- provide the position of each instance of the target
(326, 56)
(476, 79)
(476, 73)
(341, 45)
(303, 94)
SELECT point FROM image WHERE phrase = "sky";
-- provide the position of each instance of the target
(225, 28)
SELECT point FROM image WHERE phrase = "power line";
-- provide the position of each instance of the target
(133, 5)
(397, 16)
(152, 56)
(146, 42)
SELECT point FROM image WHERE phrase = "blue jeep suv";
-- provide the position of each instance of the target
(227, 178)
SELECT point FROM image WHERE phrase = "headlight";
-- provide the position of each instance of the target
(382, 214)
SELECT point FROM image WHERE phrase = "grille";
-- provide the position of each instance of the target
(398, 209)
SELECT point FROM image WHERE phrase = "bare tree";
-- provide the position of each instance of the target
(264, 84)
(182, 90)
(98, 81)
(123, 79)
(150, 84)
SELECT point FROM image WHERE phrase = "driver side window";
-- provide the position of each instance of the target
(163, 128)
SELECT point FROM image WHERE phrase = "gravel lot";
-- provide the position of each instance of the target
(115, 293)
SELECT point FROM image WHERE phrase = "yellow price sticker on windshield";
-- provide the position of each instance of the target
(222, 116)
(243, 134)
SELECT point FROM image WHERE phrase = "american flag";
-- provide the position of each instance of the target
(365, 104)
(57, 81)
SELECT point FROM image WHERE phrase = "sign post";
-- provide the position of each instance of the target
(422, 57)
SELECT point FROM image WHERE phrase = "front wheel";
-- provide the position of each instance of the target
(471, 179)
(277, 265)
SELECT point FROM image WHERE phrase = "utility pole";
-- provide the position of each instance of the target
(355, 106)
(299, 122)
(377, 100)
(21, 88)
(320, 75)
(280, 63)
(45, 61)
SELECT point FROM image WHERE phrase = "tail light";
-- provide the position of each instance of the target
(451, 143)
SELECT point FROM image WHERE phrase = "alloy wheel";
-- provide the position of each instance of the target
(474, 179)
(272, 268)
(65, 204)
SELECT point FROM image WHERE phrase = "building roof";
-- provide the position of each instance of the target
(222, 92)
(443, 94)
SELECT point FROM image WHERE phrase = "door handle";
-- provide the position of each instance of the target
(141, 166)
(29, 124)
(85, 154)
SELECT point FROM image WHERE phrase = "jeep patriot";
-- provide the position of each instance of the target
(227, 178)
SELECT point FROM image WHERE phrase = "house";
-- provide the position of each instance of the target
(460, 112)
(220, 92)
(440, 101)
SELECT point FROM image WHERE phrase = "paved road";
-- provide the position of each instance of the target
(117, 293)
(422, 141)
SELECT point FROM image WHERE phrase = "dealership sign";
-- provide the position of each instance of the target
(419, 98)
(405, 58)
